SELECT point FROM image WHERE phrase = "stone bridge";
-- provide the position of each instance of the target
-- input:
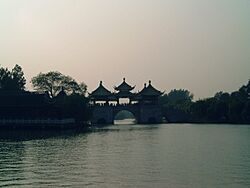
(143, 104)
(144, 114)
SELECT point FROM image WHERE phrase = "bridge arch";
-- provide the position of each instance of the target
(125, 117)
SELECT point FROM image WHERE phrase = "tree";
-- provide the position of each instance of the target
(177, 103)
(179, 95)
(12, 80)
(248, 88)
(53, 82)
(180, 99)
(4, 77)
(199, 109)
(220, 107)
(76, 105)
(18, 78)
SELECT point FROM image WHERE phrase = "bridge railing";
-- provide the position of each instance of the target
(113, 105)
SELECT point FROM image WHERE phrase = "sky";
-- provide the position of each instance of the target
(199, 45)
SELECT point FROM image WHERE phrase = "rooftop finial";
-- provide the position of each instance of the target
(145, 85)
(100, 83)
(124, 79)
(149, 82)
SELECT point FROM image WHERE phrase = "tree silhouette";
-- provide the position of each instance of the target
(13, 80)
(54, 81)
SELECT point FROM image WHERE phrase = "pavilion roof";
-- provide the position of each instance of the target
(101, 91)
(149, 91)
(124, 86)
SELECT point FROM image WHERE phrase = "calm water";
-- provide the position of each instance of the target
(170, 155)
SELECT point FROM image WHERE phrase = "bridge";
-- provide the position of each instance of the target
(143, 105)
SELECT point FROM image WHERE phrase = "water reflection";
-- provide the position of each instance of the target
(25, 135)
(122, 128)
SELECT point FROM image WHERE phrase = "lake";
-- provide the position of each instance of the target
(166, 155)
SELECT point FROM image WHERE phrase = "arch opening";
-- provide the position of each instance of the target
(124, 117)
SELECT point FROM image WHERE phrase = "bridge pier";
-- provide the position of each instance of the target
(150, 114)
(102, 115)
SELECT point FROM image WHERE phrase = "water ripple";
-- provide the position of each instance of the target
(130, 156)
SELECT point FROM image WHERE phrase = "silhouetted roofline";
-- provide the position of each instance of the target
(101, 91)
(149, 91)
(124, 86)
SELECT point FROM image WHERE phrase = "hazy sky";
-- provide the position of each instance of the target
(200, 45)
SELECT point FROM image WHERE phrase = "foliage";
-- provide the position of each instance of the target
(54, 81)
(179, 95)
(224, 107)
(12, 80)
(180, 99)
(76, 105)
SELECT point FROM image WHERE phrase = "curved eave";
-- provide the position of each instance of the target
(124, 88)
(124, 94)
(145, 93)
(148, 95)
(100, 91)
